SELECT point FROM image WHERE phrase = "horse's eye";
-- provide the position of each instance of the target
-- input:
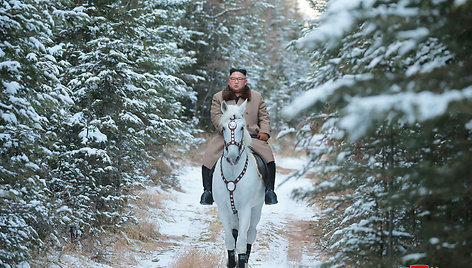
(242, 128)
(223, 128)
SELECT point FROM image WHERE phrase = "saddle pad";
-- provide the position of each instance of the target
(261, 166)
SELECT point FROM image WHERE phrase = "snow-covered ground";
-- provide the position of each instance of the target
(190, 235)
(191, 224)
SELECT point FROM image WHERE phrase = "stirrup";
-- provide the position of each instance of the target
(270, 197)
(207, 198)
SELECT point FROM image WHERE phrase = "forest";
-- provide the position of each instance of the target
(378, 93)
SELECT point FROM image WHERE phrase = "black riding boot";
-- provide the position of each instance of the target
(207, 198)
(270, 196)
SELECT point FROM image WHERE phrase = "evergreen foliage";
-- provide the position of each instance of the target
(246, 34)
(94, 92)
(31, 101)
(91, 95)
(388, 130)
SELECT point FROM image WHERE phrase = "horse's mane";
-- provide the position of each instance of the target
(234, 110)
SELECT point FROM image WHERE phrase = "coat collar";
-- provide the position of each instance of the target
(229, 95)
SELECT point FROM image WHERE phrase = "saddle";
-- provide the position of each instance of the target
(261, 167)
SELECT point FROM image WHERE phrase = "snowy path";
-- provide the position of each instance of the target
(194, 232)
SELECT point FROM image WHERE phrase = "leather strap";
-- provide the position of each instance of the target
(231, 185)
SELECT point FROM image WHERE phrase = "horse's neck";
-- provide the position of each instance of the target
(230, 171)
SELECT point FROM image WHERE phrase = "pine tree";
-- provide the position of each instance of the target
(124, 59)
(282, 65)
(394, 83)
(31, 102)
(91, 94)
(252, 35)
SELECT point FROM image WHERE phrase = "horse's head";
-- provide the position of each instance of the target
(236, 136)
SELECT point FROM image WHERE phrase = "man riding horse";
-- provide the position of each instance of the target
(258, 125)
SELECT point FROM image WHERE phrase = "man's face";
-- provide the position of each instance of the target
(237, 81)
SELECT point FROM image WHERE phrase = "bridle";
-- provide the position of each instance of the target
(232, 125)
(231, 185)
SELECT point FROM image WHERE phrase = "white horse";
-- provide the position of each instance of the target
(238, 190)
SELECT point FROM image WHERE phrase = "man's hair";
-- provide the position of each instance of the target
(232, 70)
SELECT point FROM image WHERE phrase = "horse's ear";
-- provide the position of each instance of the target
(242, 108)
(224, 106)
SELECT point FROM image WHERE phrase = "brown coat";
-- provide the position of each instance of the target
(257, 120)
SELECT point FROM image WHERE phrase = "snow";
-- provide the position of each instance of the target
(3, 193)
(32, 57)
(321, 93)
(78, 261)
(407, 46)
(413, 257)
(92, 133)
(37, 44)
(335, 27)
(11, 66)
(418, 33)
(459, 2)
(23, 265)
(469, 125)
(32, 166)
(338, 19)
(187, 219)
(129, 117)
(9, 117)
(285, 132)
(56, 49)
(425, 105)
(75, 119)
(92, 152)
(290, 162)
(375, 61)
(448, 245)
(64, 208)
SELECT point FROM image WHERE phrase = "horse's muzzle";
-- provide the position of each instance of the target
(231, 161)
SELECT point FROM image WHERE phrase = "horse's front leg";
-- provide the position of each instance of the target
(226, 219)
(241, 242)
(255, 218)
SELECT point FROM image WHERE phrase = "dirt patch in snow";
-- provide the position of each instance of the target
(174, 230)
(301, 237)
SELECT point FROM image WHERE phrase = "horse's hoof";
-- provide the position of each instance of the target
(231, 259)
(241, 260)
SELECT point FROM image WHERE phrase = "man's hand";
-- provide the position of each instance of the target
(263, 136)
